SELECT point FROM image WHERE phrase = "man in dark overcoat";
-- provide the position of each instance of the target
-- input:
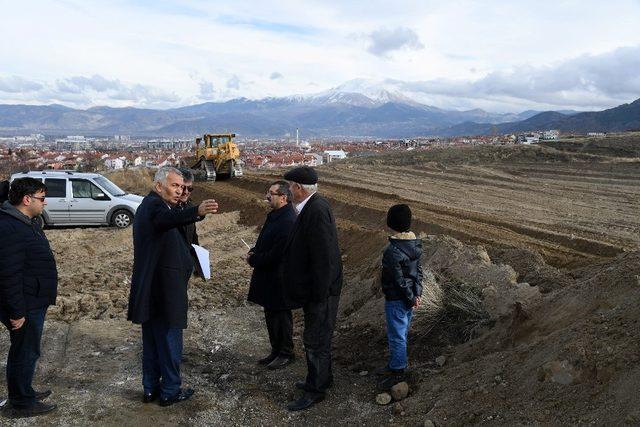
(266, 285)
(162, 266)
(313, 280)
(28, 286)
(189, 231)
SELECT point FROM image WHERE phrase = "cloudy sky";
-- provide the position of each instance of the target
(497, 55)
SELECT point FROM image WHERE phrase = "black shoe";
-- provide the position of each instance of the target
(389, 381)
(302, 385)
(180, 397)
(150, 396)
(387, 371)
(266, 360)
(41, 395)
(306, 401)
(38, 408)
(280, 362)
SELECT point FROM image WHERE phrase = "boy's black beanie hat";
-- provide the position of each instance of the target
(399, 218)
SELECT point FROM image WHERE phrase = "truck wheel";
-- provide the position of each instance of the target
(121, 219)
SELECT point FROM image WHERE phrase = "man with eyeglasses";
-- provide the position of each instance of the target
(28, 285)
(189, 231)
(266, 287)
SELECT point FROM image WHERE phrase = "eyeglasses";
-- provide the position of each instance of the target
(39, 198)
(269, 193)
(189, 189)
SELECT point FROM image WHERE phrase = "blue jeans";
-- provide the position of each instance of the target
(24, 352)
(161, 358)
(398, 322)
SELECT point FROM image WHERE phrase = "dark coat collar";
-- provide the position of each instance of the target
(313, 197)
(155, 195)
(274, 215)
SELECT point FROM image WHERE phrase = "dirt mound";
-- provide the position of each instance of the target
(462, 286)
(531, 268)
(567, 356)
(570, 359)
(466, 263)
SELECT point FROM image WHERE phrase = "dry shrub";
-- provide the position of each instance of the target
(454, 306)
(464, 309)
(432, 300)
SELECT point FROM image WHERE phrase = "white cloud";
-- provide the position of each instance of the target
(80, 84)
(82, 91)
(207, 90)
(229, 45)
(15, 84)
(233, 82)
(276, 75)
(384, 41)
(588, 81)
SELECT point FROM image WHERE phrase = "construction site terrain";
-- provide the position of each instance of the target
(531, 311)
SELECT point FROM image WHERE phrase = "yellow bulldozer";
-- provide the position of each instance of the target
(217, 157)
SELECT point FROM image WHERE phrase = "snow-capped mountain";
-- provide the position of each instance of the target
(366, 93)
(360, 107)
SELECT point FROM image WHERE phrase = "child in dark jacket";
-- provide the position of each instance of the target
(401, 284)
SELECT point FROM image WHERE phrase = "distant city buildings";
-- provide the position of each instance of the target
(332, 155)
(86, 153)
(549, 135)
(74, 143)
(534, 137)
(529, 138)
(115, 163)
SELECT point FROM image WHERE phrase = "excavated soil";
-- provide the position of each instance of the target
(531, 314)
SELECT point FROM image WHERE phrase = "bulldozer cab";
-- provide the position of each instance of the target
(216, 145)
(215, 140)
(218, 156)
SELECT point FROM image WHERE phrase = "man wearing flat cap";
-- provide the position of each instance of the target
(313, 280)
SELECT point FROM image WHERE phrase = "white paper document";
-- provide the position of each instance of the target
(203, 259)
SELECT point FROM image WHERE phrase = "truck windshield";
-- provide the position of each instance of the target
(111, 188)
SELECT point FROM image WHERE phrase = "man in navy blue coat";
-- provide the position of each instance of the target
(28, 285)
(266, 284)
(162, 266)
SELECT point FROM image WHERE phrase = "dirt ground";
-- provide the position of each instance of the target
(546, 237)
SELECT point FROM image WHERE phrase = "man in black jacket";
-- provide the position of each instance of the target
(162, 266)
(266, 286)
(313, 280)
(189, 231)
(28, 285)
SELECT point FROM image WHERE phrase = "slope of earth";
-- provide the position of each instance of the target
(569, 206)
